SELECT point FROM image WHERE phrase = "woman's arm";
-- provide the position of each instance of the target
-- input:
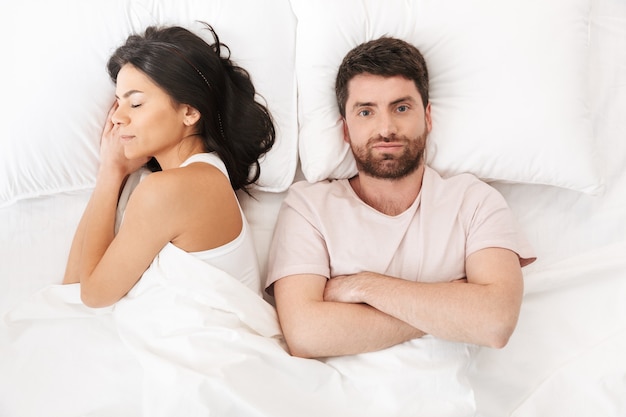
(96, 228)
(101, 206)
(192, 207)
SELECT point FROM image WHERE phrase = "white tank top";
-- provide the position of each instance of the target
(237, 257)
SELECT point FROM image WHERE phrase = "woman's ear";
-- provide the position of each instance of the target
(191, 115)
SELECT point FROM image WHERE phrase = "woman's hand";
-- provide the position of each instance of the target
(112, 157)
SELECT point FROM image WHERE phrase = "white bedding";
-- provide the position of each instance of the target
(191, 340)
(566, 355)
(564, 359)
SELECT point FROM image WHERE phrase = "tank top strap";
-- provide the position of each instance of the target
(210, 158)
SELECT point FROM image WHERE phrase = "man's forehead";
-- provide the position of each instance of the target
(379, 90)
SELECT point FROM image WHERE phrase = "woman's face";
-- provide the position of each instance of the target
(148, 121)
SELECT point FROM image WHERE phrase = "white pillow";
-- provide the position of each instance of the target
(507, 85)
(56, 90)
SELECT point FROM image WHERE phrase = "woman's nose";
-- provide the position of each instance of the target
(118, 116)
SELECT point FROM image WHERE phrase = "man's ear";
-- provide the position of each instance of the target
(427, 117)
(191, 115)
(346, 133)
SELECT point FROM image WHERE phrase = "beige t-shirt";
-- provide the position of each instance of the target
(326, 229)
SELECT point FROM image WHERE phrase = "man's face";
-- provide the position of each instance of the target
(386, 125)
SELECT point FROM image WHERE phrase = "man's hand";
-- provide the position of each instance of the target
(344, 288)
(349, 288)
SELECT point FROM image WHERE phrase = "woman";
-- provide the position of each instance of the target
(191, 114)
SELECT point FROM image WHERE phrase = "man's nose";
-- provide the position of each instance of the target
(387, 126)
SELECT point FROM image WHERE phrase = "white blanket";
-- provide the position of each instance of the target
(566, 357)
(190, 340)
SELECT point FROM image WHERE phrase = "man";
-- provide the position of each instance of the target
(396, 252)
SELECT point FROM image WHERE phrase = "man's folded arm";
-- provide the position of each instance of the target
(316, 328)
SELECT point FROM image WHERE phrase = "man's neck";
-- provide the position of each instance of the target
(390, 197)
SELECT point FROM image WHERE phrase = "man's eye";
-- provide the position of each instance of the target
(403, 108)
(364, 113)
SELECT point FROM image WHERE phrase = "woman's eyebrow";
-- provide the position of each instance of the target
(129, 93)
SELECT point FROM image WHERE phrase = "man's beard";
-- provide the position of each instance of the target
(388, 165)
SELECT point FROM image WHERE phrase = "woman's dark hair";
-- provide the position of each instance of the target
(232, 124)
(387, 57)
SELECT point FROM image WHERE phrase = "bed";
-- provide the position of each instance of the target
(528, 95)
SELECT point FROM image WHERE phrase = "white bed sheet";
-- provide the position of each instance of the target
(571, 327)
(191, 340)
(565, 357)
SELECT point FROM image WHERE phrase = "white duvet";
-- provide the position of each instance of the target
(190, 340)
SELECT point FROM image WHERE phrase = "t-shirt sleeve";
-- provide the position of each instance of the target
(492, 224)
(297, 246)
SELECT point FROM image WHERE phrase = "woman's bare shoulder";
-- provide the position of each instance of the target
(196, 203)
(187, 181)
